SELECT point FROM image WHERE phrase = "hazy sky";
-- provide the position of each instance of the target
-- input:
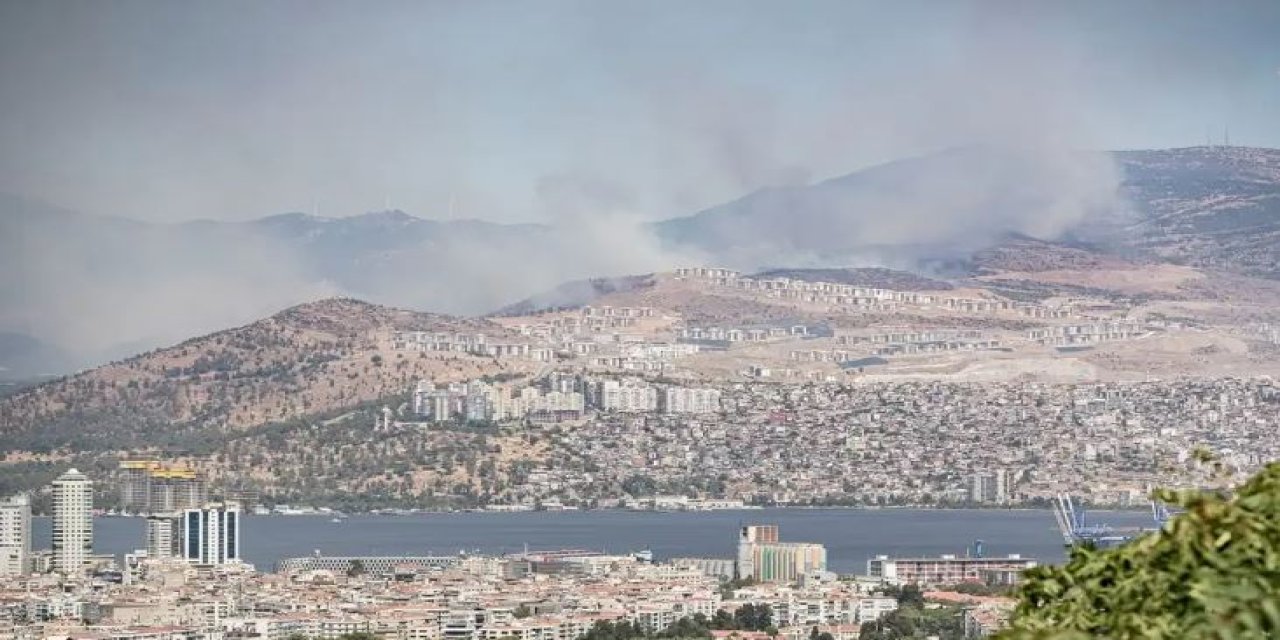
(237, 109)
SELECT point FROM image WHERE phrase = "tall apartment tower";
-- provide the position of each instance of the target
(72, 522)
(163, 536)
(211, 535)
(977, 488)
(1001, 489)
(15, 535)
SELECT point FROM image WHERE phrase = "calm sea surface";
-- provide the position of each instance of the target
(850, 535)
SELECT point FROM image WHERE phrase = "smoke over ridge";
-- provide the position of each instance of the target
(607, 155)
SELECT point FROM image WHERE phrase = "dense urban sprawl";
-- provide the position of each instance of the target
(884, 444)
(187, 581)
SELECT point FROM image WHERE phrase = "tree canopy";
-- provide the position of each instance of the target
(356, 568)
(1211, 572)
(913, 619)
(748, 617)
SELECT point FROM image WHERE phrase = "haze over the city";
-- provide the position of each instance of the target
(534, 111)
(594, 120)
(618, 320)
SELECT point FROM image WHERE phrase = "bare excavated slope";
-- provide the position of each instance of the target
(306, 360)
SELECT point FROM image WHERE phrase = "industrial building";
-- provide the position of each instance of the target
(946, 569)
(373, 565)
(764, 558)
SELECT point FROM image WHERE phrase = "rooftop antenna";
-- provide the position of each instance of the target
(1226, 136)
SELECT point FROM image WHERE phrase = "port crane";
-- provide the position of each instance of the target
(1160, 513)
(1076, 528)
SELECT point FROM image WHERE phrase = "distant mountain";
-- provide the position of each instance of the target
(363, 253)
(102, 287)
(1213, 207)
(23, 357)
(107, 287)
(909, 213)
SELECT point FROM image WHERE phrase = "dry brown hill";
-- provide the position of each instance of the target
(306, 360)
(1025, 254)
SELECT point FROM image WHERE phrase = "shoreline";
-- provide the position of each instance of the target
(332, 513)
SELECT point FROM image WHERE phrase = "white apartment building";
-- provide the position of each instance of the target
(481, 401)
(629, 396)
(536, 402)
(15, 535)
(163, 536)
(684, 400)
(72, 522)
(989, 488)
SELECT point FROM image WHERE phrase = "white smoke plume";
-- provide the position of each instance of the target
(1002, 124)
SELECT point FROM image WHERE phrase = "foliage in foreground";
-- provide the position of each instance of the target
(916, 621)
(1212, 572)
(747, 617)
(914, 618)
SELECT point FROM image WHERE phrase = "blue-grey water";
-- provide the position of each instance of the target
(850, 535)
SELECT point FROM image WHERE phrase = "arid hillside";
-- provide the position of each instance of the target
(306, 360)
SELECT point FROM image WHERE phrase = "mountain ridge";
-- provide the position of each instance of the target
(1205, 207)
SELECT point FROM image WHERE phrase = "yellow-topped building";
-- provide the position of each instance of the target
(151, 486)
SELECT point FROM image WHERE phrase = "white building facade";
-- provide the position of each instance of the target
(211, 536)
(72, 522)
(163, 536)
(685, 400)
(15, 535)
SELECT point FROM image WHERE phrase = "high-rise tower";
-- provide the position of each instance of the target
(163, 535)
(211, 535)
(72, 522)
(15, 535)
